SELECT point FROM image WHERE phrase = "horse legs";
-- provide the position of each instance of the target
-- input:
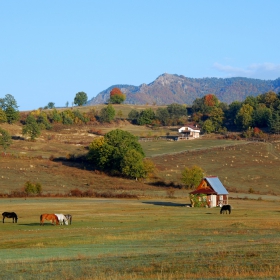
(3, 219)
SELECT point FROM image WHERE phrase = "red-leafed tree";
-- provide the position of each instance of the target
(211, 100)
(116, 96)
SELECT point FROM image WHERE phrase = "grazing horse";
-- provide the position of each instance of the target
(50, 217)
(12, 215)
(69, 218)
(62, 219)
(225, 208)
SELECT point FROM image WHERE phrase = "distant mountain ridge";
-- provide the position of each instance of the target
(169, 88)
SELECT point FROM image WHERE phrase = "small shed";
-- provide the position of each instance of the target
(190, 130)
(210, 192)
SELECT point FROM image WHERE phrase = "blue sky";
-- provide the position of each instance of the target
(50, 50)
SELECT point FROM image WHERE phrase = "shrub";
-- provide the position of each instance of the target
(32, 188)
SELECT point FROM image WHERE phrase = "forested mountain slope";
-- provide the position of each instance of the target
(168, 88)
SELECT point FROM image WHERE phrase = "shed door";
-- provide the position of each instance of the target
(213, 200)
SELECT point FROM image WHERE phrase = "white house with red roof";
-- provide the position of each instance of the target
(191, 131)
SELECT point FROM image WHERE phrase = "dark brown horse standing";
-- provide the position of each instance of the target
(50, 217)
(225, 208)
(12, 215)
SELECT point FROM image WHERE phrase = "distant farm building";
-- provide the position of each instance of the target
(209, 193)
(190, 131)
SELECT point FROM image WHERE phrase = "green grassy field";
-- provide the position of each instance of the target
(140, 239)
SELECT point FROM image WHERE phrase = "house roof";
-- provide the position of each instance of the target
(189, 128)
(193, 127)
(216, 187)
(216, 184)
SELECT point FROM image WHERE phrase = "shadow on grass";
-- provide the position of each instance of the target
(165, 184)
(172, 204)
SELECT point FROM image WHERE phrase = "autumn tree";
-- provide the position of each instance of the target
(116, 96)
(210, 100)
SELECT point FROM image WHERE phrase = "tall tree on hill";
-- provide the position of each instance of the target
(80, 98)
(9, 105)
(50, 105)
(116, 96)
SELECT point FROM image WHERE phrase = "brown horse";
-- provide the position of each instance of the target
(50, 217)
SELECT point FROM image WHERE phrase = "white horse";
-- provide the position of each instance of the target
(62, 219)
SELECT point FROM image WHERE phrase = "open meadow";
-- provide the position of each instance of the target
(140, 239)
(149, 233)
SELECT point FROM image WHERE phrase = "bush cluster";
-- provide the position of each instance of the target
(32, 188)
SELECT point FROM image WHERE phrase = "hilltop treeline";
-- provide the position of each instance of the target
(209, 113)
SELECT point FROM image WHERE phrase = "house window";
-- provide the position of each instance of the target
(221, 197)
